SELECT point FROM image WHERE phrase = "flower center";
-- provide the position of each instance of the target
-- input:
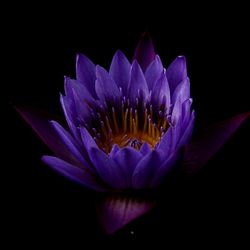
(129, 126)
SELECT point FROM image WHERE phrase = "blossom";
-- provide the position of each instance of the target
(128, 127)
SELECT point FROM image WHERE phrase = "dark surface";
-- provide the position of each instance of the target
(42, 44)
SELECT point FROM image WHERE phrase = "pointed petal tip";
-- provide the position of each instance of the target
(181, 57)
(98, 70)
(79, 56)
(145, 52)
(119, 53)
(146, 37)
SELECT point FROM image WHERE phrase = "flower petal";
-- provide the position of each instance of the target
(127, 159)
(161, 89)
(145, 52)
(80, 89)
(85, 73)
(186, 136)
(209, 142)
(39, 121)
(145, 149)
(137, 83)
(105, 86)
(74, 173)
(182, 91)
(186, 111)
(165, 168)
(145, 170)
(166, 143)
(83, 112)
(71, 144)
(114, 150)
(176, 117)
(107, 169)
(176, 72)
(120, 71)
(87, 139)
(116, 211)
(69, 113)
(153, 72)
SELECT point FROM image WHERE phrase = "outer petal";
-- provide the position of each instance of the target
(186, 111)
(74, 173)
(87, 139)
(39, 121)
(182, 91)
(145, 169)
(153, 72)
(69, 113)
(82, 110)
(116, 211)
(106, 88)
(71, 144)
(177, 113)
(137, 83)
(166, 143)
(164, 169)
(209, 141)
(120, 71)
(107, 169)
(186, 136)
(127, 159)
(176, 72)
(80, 89)
(144, 52)
(85, 73)
(161, 89)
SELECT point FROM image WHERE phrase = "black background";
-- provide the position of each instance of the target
(41, 44)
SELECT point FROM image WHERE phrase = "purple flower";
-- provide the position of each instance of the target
(128, 127)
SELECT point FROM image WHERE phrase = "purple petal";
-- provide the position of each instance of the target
(114, 150)
(71, 144)
(176, 72)
(166, 142)
(210, 141)
(145, 170)
(116, 211)
(80, 89)
(153, 72)
(105, 86)
(127, 159)
(87, 139)
(69, 114)
(107, 169)
(74, 173)
(186, 111)
(145, 149)
(164, 169)
(144, 52)
(182, 91)
(188, 132)
(39, 121)
(137, 83)
(177, 113)
(120, 71)
(85, 73)
(161, 89)
(83, 112)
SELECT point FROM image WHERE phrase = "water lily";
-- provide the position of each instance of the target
(128, 128)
